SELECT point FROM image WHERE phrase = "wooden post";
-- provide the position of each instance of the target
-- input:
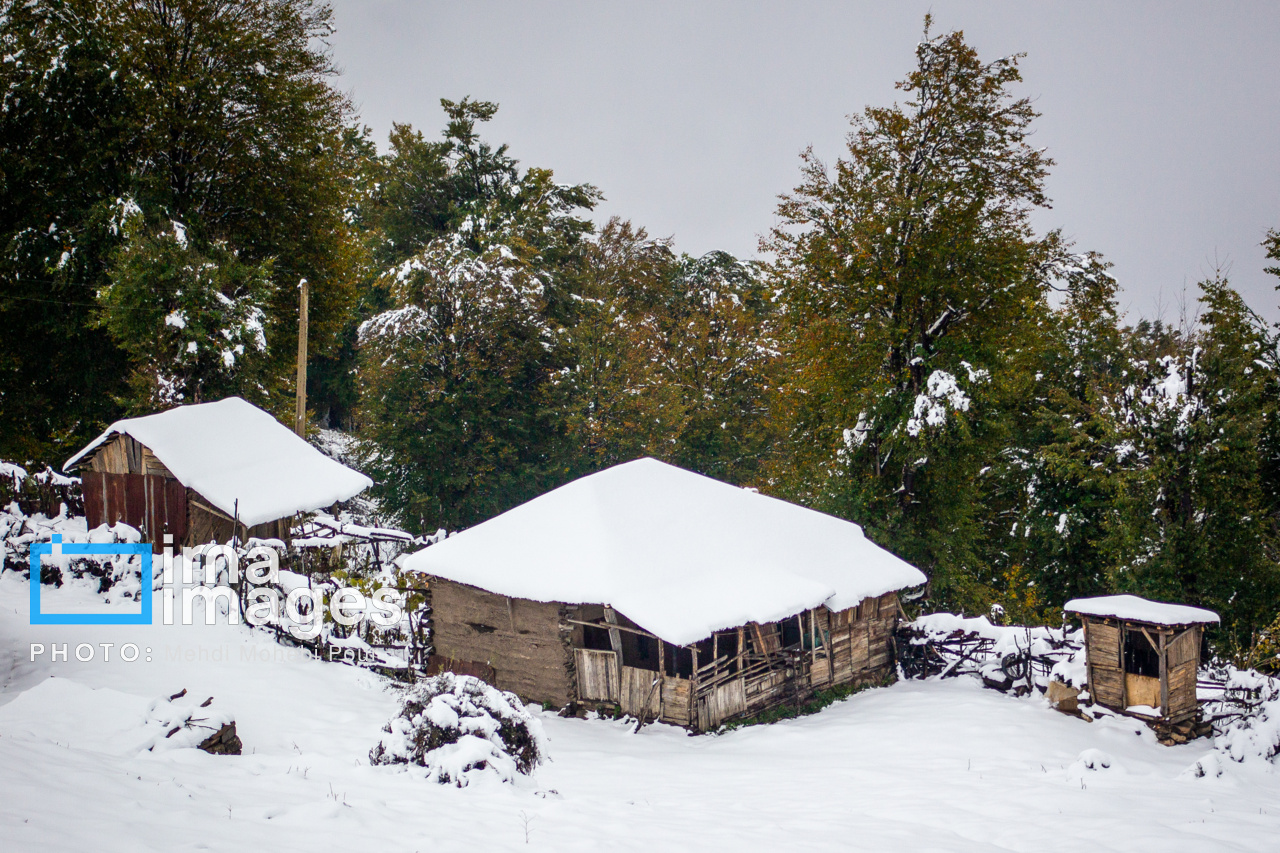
(694, 722)
(615, 637)
(1088, 661)
(1164, 676)
(1124, 682)
(300, 409)
(830, 646)
(662, 674)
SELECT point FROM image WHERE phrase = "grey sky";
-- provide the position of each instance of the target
(1164, 118)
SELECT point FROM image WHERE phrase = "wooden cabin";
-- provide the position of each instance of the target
(1143, 657)
(558, 653)
(207, 473)
(664, 595)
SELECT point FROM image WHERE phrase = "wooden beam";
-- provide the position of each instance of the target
(607, 627)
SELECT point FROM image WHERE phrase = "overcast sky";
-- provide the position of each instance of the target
(1164, 118)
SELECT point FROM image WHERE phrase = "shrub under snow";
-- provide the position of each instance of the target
(1247, 727)
(457, 727)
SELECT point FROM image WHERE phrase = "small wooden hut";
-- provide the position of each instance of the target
(205, 472)
(1142, 658)
(665, 595)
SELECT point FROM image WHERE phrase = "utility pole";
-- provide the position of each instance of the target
(300, 412)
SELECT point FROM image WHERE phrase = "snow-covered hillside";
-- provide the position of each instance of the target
(932, 765)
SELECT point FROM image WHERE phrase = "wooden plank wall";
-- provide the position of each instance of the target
(125, 481)
(151, 503)
(209, 524)
(677, 700)
(639, 695)
(1113, 688)
(1106, 662)
(520, 639)
(536, 651)
(1183, 661)
(721, 703)
(853, 645)
(598, 678)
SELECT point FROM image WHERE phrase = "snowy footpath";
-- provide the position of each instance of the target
(920, 766)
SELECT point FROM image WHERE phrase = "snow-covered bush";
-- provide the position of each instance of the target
(947, 644)
(183, 722)
(1246, 720)
(23, 525)
(457, 727)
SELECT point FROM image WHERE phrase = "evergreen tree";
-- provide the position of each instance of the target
(1193, 519)
(214, 118)
(241, 140)
(907, 278)
(64, 137)
(193, 321)
(455, 387)
(611, 417)
(462, 384)
(1051, 489)
(671, 355)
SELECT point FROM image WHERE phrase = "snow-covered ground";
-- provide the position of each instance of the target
(934, 765)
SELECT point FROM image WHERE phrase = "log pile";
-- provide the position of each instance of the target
(223, 742)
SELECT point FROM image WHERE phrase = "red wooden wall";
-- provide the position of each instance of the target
(155, 505)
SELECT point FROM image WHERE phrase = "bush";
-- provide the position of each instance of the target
(457, 726)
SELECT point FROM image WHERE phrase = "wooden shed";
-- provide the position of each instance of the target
(1143, 657)
(205, 472)
(665, 595)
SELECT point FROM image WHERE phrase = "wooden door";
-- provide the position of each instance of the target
(641, 692)
(1106, 663)
(720, 703)
(597, 675)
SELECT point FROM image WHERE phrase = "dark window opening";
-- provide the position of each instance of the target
(790, 632)
(1140, 658)
(596, 638)
(727, 647)
(679, 662)
(639, 651)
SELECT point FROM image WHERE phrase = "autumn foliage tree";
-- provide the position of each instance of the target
(907, 273)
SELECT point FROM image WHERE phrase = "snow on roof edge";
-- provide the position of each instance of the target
(1137, 609)
(239, 458)
(678, 553)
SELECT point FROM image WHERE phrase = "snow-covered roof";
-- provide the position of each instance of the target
(231, 451)
(680, 554)
(1137, 609)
